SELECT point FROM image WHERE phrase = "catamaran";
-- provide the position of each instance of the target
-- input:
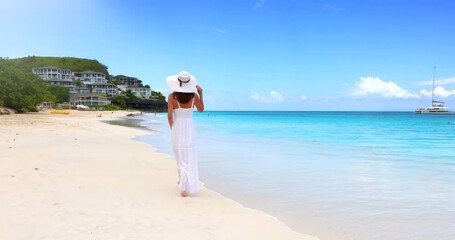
(437, 107)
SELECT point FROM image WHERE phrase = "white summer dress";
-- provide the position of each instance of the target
(183, 142)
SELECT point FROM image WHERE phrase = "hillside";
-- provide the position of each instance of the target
(22, 90)
(74, 64)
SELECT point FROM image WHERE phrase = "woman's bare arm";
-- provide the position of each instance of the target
(170, 108)
(199, 101)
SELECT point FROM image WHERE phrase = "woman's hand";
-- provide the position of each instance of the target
(199, 89)
(199, 99)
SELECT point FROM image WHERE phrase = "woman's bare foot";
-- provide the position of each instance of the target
(183, 193)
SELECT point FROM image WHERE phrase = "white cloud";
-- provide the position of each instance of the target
(438, 92)
(443, 81)
(209, 98)
(374, 86)
(255, 96)
(259, 4)
(303, 98)
(276, 96)
(273, 96)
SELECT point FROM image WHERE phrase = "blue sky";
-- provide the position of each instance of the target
(255, 54)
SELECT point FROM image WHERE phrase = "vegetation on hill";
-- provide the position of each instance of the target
(158, 95)
(22, 90)
(61, 93)
(73, 64)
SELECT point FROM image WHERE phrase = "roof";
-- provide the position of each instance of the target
(102, 84)
(52, 67)
(47, 67)
(58, 80)
(90, 71)
(87, 95)
(123, 76)
(130, 87)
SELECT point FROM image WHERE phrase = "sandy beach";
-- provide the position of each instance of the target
(76, 177)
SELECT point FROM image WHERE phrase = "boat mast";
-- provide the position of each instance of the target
(432, 90)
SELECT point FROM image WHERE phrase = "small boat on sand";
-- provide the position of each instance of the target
(59, 112)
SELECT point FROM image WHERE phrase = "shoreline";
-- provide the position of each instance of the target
(127, 122)
(73, 177)
(134, 123)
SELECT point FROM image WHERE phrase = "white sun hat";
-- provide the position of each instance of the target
(183, 82)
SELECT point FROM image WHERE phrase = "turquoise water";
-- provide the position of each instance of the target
(334, 175)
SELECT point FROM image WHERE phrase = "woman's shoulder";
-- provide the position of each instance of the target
(170, 97)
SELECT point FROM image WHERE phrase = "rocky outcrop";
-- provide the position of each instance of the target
(6, 111)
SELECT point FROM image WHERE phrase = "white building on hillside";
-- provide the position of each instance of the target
(140, 92)
(89, 99)
(53, 73)
(95, 82)
(77, 82)
(129, 81)
(102, 88)
(56, 76)
(90, 77)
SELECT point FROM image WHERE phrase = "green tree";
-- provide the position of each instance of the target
(78, 83)
(116, 82)
(158, 95)
(22, 90)
(130, 95)
(61, 93)
(119, 101)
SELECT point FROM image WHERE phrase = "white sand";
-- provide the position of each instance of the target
(74, 177)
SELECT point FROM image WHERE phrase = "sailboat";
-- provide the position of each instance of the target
(437, 107)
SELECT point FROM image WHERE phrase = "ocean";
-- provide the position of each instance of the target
(334, 175)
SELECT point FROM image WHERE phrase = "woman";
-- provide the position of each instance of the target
(180, 117)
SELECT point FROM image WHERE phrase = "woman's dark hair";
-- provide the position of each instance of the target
(183, 97)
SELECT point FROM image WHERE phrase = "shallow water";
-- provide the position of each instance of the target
(335, 175)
